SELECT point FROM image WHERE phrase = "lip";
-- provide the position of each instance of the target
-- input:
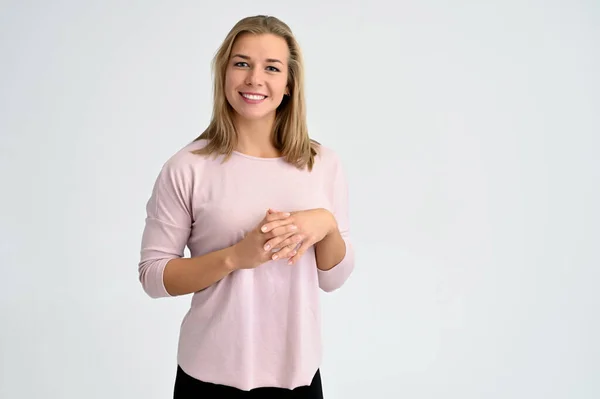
(252, 94)
(249, 101)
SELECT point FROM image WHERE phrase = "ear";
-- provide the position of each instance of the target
(287, 91)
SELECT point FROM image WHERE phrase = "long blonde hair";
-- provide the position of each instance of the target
(290, 131)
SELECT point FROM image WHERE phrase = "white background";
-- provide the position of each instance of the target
(470, 135)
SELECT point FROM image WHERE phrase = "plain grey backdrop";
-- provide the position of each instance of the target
(470, 135)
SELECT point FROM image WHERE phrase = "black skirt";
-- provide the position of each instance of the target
(187, 387)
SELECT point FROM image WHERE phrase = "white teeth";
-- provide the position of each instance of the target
(253, 97)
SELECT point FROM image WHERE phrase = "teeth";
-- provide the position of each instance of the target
(253, 97)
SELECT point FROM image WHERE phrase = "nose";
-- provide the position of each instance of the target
(254, 77)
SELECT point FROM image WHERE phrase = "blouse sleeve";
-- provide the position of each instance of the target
(167, 226)
(334, 278)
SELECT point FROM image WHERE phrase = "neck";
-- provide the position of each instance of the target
(255, 137)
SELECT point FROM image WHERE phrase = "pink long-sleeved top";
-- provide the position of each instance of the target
(255, 327)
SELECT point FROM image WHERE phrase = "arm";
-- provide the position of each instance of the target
(331, 250)
(184, 276)
(163, 272)
(334, 253)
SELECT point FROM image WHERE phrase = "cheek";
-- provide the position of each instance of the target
(228, 83)
(279, 87)
(231, 85)
(232, 80)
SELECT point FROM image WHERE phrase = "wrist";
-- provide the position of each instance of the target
(230, 261)
(332, 223)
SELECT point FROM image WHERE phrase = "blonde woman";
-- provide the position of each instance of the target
(263, 210)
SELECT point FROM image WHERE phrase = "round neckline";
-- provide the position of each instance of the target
(257, 158)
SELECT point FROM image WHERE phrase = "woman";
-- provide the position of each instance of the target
(263, 210)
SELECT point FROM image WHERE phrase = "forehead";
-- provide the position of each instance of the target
(261, 47)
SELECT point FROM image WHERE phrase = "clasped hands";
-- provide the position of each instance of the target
(283, 235)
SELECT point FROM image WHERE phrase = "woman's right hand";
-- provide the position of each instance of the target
(251, 251)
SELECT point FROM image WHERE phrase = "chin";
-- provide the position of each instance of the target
(253, 116)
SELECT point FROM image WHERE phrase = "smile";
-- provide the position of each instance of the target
(253, 98)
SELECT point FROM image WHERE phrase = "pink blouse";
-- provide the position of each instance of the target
(257, 327)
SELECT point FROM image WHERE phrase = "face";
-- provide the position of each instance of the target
(256, 75)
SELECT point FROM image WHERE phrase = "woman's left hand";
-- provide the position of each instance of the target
(312, 226)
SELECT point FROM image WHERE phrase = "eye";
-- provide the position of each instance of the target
(273, 69)
(239, 64)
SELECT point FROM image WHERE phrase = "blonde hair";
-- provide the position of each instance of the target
(290, 131)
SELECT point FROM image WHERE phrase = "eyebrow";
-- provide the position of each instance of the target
(245, 57)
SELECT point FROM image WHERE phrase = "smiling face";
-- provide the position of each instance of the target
(257, 75)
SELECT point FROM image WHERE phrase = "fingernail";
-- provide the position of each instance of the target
(267, 247)
(293, 227)
(264, 228)
(287, 214)
(275, 257)
(293, 253)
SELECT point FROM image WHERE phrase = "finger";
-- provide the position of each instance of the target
(283, 241)
(275, 243)
(272, 216)
(282, 230)
(278, 224)
(285, 252)
(298, 254)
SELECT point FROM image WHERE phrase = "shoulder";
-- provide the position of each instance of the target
(327, 157)
(183, 166)
(184, 159)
